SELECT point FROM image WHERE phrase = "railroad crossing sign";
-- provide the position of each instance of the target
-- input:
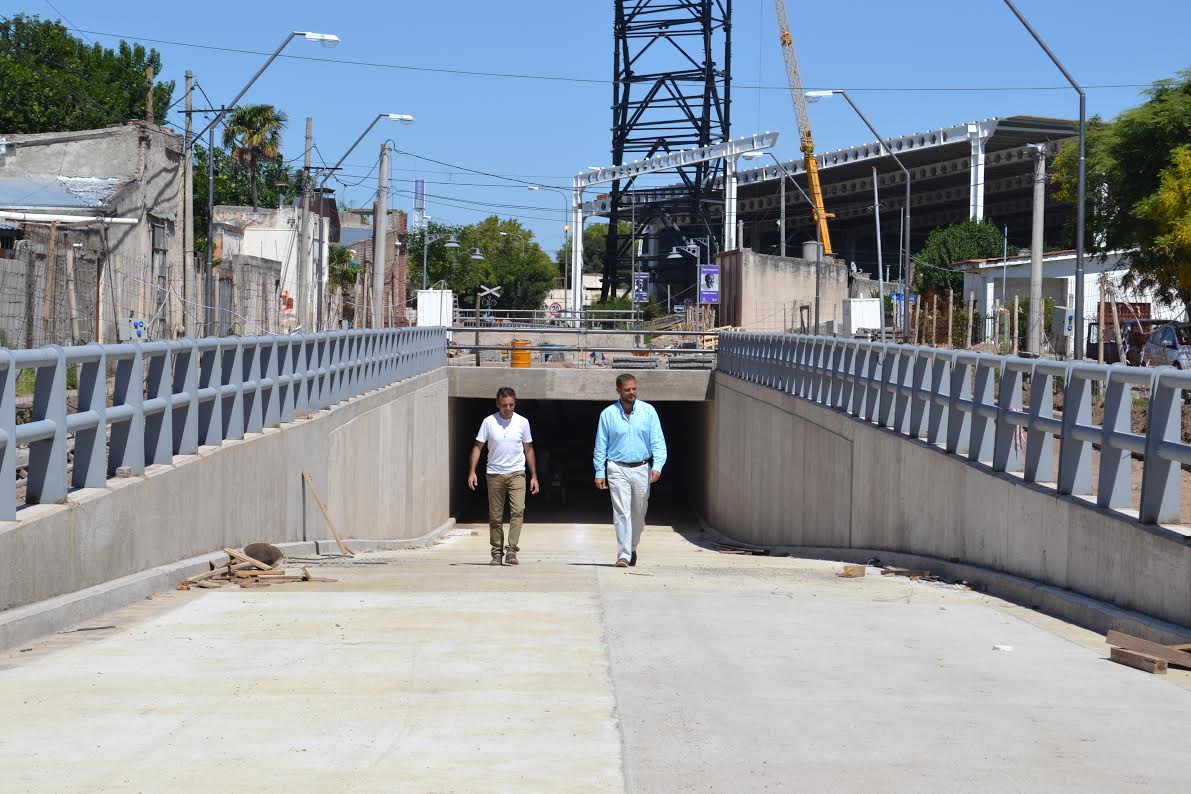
(485, 291)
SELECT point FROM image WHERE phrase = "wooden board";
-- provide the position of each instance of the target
(272, 572)
(326, 515)
(221, 570)
(852, 571)
(1164, 652)
(245, 558)
(1138, 660)
(1186, 646)
(910, 574)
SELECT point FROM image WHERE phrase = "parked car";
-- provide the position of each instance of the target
(1111, 354)
(1169, 345)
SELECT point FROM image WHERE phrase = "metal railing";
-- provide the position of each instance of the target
(544, 318)
(971, 405)
(698, 345)
(170, 397)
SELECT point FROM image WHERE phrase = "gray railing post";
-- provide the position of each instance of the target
(159, 416)
(185, 385)
(210, 412)
(902, 385)
(232, 390)
(921, 405)
(1114, 488)
(127, 439)
(1161, 477)
(287, 349)
(90, 441)
(47, 456)
(254, 414)
(890, 359)
(1075, 455)
(8, 431)
(959, 422)
(1040, 444)
(872, 382)
(980, 444)
(939, 417)
(270, 387)
(1008, 436)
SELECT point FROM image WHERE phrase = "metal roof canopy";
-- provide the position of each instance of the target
(55, 193)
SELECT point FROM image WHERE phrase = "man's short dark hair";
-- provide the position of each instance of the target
(624, 378)
(506, 391)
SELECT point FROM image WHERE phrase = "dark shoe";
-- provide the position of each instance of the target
(496, 555)
(622, 563)
(633, 560)
(511, 558)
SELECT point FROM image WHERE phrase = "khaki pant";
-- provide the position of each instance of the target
(500, 486)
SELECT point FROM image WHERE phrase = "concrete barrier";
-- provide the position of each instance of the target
(379, 461)
(783, 471)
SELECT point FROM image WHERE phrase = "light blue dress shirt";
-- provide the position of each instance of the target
(628, 440)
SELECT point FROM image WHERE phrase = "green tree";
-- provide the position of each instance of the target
(947, 247)
(253, 135)
(1136, 186)
(53, 82)
(276, 182)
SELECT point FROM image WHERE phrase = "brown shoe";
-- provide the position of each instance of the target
(622, 563)
(633, 560)
(496, 556)
(511, 558)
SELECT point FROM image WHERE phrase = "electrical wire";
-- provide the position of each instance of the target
(587, 80)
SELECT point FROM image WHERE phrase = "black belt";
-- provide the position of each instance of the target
(631, 465)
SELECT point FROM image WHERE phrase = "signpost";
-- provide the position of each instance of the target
(486, 296)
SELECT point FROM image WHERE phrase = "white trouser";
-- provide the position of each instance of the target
(629, 486)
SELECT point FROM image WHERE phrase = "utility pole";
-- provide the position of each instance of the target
(188, 273)
(149, 94)
(305, 268)
(782, 222)
(880, 254)
(380, 223)
(1034, 337)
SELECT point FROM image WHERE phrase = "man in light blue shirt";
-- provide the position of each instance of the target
(630, 452)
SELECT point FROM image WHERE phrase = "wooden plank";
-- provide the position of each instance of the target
(1186, 646)
(245, 558)
(282, 579)
(852, 571)
(326, 514)
(1164, 652)
(221, 570)
(908, 573)
(271, 572)
(1140, 661)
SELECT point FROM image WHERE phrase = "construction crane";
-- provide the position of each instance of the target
(807, 141)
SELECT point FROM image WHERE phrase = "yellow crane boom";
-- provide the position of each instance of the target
(807, 141)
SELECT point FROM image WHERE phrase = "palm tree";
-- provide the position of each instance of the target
(253, 133)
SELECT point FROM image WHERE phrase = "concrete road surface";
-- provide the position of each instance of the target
(429, 671)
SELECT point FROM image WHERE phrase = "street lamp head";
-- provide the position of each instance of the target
(326, 39)
(476, 255)
(533, 187)
(822, 94)
(674, 253)
(752, 155)
(404, 118)
(451, 242)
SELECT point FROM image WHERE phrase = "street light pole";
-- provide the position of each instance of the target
(909, 269)
(1082, 186)
(566, 206)
(327, 40)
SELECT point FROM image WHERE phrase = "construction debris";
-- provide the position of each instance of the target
(250, 572)
(909, 574)
(1129, 649)
(852, 571)
(722, 549)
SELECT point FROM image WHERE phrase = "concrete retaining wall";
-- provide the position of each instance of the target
(831, 481)
(379, 461)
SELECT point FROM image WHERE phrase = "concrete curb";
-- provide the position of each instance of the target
(28, 623)
(1090, 613)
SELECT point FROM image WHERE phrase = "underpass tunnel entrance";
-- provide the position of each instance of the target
(564, 436)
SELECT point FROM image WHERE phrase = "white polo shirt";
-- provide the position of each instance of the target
(505, 438)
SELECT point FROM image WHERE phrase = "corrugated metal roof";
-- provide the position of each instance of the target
(55, 192)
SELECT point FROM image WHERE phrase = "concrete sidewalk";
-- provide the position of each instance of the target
(695, 671)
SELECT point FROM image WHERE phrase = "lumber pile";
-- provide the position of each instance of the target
(1152, 657)
(247, 572)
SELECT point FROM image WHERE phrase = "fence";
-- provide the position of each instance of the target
(169, 397)
(971, 405)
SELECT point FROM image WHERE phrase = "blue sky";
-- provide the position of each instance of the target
(546, 131)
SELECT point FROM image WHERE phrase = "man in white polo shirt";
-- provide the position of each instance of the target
(510, 448)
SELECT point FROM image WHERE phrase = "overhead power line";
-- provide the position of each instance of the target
(585, 80)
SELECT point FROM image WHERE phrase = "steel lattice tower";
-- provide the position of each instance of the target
(671, 91)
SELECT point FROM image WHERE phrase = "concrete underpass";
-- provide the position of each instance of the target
(422, 668)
